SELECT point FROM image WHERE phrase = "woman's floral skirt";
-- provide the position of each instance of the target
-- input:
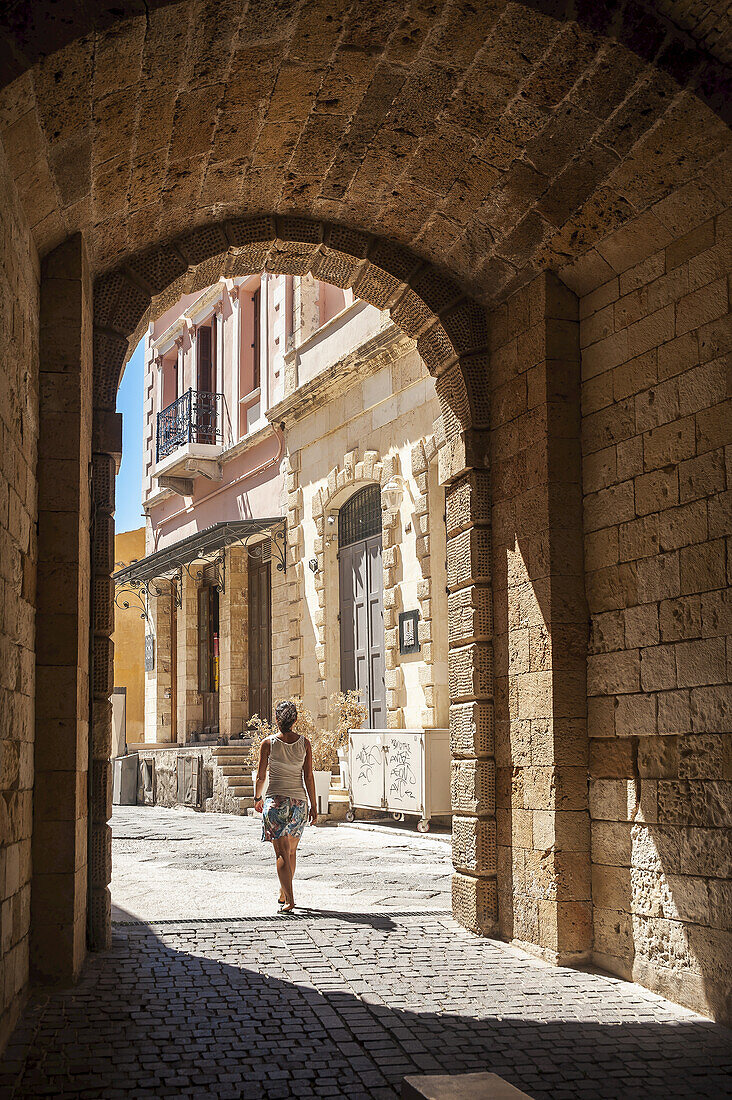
(283, 817)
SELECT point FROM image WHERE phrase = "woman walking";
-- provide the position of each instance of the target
(289, 758)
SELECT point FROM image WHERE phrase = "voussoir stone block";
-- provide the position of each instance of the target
(471, 729)
(469, 557)
(474, 845)
(475, 903)
(473, 786)
(470, 614)
(468, 501)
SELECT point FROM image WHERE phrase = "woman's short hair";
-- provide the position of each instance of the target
(286, 715)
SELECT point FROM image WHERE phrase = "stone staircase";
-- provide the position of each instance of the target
(235, 772)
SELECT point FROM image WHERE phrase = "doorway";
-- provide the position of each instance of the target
(260, 637)
(362, 601)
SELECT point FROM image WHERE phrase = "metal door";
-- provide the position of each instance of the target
(260, 639)
(362, 602)
(362, 626)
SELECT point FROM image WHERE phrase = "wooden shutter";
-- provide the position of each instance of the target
(203, 358)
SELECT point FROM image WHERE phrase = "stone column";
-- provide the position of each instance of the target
(540, 622)
(158, 682)
(59, 883)
(233, 644)
(190, 704)
(470, 670)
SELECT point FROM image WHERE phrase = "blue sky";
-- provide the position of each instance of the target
(128, 515)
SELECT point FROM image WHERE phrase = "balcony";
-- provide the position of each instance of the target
(190, 439)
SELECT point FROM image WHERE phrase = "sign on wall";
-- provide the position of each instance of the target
(408, 632)
(149, 652)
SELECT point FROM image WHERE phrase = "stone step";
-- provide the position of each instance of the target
(460, 1086)
(233, 769)
(230, 750)
(239, 790)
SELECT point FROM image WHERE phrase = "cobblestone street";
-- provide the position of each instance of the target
(227, 999)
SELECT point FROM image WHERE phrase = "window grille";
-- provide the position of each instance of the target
(360, 517)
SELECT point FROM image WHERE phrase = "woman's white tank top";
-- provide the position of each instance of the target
(285, 768)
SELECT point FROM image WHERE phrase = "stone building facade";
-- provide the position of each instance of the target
(539, 195)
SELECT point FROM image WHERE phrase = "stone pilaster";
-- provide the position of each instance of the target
(233, 644)
(61, 751)
(158, 681)
(470, 673)
(541, 623)
(190, 704)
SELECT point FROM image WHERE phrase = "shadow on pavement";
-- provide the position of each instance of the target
(213, 1017)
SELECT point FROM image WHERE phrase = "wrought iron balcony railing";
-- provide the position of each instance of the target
(196, 417)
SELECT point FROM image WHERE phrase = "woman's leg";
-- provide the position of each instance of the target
(282, 855)
(294, 841)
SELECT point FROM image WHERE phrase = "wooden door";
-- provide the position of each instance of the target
(362, 625)
(204, 359)
(260, 639)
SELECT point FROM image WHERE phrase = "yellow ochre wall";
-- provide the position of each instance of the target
(129, 640)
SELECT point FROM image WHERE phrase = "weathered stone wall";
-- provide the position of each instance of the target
(656, 464)
(217, 796)
(540, 623)
(159, 680)
(19, 289)
(234, 644)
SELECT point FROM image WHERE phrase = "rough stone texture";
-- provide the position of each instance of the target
(655, 427)
(540, 623)
(60, 803)
(19, 290)
(167, 121)
(159, 680)
(233, 642)
(216, 797)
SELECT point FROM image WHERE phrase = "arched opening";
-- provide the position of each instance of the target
(463, 170)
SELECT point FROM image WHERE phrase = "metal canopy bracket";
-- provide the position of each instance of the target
(139, 582)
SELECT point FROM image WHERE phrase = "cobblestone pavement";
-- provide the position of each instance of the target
(344, 1004)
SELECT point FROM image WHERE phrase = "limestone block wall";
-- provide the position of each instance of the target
(19, 383)
(363, 432)
(281, 632)
(233, 644)
(540, 628)
(189, 701)
(158, 680)
(657, 481)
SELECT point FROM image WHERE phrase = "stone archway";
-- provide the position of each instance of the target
(451, 333)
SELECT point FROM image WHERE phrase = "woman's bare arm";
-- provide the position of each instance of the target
(307, 773)
(261, 773)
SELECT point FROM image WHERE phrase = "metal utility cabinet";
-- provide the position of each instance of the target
(401, 771)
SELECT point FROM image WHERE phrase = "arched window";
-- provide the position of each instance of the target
(360, 517)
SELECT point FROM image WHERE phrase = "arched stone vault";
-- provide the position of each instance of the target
(495, 140)
(661, 32)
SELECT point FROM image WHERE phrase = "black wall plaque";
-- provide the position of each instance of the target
(408, 632)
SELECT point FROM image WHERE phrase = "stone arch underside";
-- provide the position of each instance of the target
(663, 33)
(494, 140)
